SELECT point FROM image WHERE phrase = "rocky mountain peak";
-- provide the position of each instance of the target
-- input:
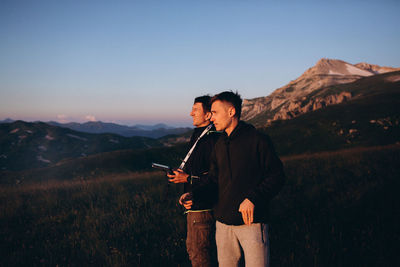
(327, 66)
(375, 68)
(304, 94)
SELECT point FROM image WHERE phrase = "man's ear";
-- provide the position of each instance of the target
(232, 112)
(208, 116)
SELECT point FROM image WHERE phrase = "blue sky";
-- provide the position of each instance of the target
(144, 61)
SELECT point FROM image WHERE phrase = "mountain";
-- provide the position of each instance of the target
(312, 90)
(31, 145)
(8, 120)
(153, 127)
(372, 119)
(152, 131)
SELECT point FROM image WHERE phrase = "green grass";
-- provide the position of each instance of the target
(338, 208)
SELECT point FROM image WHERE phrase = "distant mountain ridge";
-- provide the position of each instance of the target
(8, 120)
(152, 131)
(300, 95)
(27, 145)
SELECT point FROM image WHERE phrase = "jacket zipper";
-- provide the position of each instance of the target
(229, 158)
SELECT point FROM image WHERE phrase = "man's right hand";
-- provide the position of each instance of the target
(186, 200)
(247, 210)
(179, 176)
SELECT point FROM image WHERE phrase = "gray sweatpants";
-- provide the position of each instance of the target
(250, 240)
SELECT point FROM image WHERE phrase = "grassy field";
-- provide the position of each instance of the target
(338, 208)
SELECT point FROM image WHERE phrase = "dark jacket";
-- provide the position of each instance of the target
(243, 165)
(198, 165)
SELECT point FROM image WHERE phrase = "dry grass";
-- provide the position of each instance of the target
(82, 182)
(337, 209)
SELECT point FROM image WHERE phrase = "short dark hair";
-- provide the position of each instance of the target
(230, 97)
(205, 100)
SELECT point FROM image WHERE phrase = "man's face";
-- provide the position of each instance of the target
(200, 118)
(220, 115)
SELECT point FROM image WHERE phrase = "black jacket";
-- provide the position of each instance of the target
(198, 165)
(243, 165)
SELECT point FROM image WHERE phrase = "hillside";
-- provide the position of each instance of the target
(98, 165)
(26, 145)
(309, 91)
(370, 120)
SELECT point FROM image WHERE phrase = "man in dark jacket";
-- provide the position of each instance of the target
(200, 242)
(248, 174)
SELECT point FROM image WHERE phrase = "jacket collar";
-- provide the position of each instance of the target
(242, 126)
(199, 130)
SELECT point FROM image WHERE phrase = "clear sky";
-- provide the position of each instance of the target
(144, 61)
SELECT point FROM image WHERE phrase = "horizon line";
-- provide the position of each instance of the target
(170, 124)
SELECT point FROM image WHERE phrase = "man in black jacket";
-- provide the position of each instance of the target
(248, 174)
(200, 242)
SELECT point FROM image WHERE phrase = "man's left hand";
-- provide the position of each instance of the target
(186, 200)
(247, 210)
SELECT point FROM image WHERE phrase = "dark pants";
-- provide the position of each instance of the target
(200, 241)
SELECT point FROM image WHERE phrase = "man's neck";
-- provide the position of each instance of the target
(232, 126)
(203, 125)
